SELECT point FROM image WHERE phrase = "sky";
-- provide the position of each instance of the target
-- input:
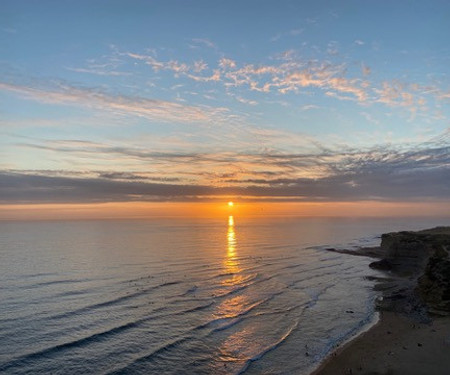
(280, 102)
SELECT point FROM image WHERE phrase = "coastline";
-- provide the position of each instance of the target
(395, 345)
(407, 339)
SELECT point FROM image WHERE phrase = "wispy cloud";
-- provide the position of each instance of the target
(293, 32)
(370, 118)
(172, 65)
(308, 107)
(246, 101)
(205, 42)
(99, 71)
(106, 65)
(151, 109)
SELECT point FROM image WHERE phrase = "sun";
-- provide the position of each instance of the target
(230, 204)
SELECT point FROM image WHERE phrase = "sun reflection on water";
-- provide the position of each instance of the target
(233, 268)
(231, 263)
(232, 306)
(231, 236)
(237, 343)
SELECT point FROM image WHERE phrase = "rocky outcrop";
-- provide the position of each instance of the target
(419, 263)
(406, 253)
(434, 284)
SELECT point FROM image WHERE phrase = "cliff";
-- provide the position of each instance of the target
(419, 266)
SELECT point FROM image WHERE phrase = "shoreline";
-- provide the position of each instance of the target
(346, 343)
(396, 344)
(406, 339)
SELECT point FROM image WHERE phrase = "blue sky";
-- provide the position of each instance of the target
(188, 100)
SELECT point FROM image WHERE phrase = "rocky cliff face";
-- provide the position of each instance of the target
(420, 265)
(434, 284)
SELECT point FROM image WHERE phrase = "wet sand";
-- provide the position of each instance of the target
(395, 345)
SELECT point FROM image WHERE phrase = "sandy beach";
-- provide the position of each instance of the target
(412, 335)
(395, 345)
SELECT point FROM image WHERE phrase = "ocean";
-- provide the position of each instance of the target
(184, 296)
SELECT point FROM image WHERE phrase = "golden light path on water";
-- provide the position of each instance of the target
(238, 345)
(232, 306)
(231, 264)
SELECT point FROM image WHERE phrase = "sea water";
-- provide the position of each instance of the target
(182, 296)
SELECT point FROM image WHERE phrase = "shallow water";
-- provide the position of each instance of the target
(181, 296)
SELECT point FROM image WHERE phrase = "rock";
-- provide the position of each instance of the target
(419, 271)
(421, 263)
(434, 284)
(382, 264)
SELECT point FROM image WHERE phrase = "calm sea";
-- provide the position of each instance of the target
(177, 296)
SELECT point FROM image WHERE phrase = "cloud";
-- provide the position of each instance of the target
(99, 72)
(151, 109)
(365, 70)
(205, 42)
(308, 107)
(246, 101)
(421, 171)
(199, 66)
(172, 65)
(275, 38)
(225, 63)
(370, 118)
(292, 74)
(130, 176)
(293, 32)
(149, 60)
(215, 77)
(333, 48)
(34, 188)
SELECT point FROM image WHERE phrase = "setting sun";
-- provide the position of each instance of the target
(230, 204)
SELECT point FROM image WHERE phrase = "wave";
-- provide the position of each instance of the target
(197, 308)
(95, 338)
(362, 326)
(69, 293)
(268, 349)
(57, 282)
(30, 276)
(40, 316)
(113, 301)
(19, 361)
(216, 325)
(233, 291)
(150, 356)
(191, 290)
(230, 320)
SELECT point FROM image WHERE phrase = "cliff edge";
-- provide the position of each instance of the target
(418, 264)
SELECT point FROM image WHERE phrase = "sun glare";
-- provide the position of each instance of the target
(230, 204)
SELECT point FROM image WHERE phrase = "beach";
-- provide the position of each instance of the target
(395, 345)
(406, 339)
